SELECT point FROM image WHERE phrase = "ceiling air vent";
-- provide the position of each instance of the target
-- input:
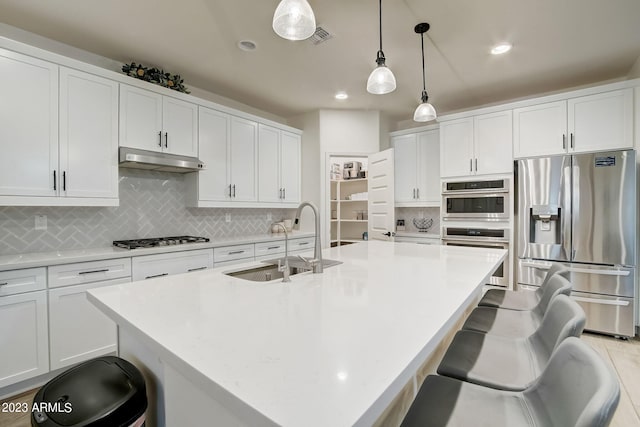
(321, 35)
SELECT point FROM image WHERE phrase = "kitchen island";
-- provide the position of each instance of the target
(330, 349)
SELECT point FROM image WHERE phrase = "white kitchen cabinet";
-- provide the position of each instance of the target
(28, 126)
(158, 265)
(243, 160)
(88, 272)
(23, 332)
(276, 248)
(24, 280)
(478, 145)
(417, 169)
(154, 122)
(278, 166)
(78, 330)
(601, 121)
(237, 253)
(88, 135)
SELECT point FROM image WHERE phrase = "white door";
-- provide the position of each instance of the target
(244, 148)
(28, 126)
(269, 189)
(213, 133)
(140, 119)
(290, 167)
(540, 130)
(23, 335)
(180, 127)
(456, 147)
(94, 334)
(88, 135)
(493, 148)
(406, 162)
(381, 203)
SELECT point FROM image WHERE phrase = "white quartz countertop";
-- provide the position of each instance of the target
(43, 259)
(329, 349)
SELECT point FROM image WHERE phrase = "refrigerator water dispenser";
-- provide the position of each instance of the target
(545, 224)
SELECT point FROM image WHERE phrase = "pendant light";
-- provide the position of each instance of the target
(425, 111)
(294, 20)
(381, 80)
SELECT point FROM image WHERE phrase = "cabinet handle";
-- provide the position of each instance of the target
(64, 180)
(196, 269)
(417, 193)
(3, 284)
(54, 180)
(236, 252)
(273, 247)
(303, 243)
(157, 275)
(476, 161)
(564, 141)
(281, 196)
(414, 193)
(166, 139)
(160, 139)
(284, 193)
(571, 140)
(234, 190)
(470, 165)
(93, 271)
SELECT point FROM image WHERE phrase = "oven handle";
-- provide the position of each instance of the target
(482, 192)
(497, 244)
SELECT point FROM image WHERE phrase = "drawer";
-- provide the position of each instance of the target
(607, 314)
(418, 240)
(301, 244)
(150, 266)
(88, 272)
(230, 253)
(25, 280)
(270, 248)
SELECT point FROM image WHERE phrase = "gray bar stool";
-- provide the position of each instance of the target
(518, 323)
(577, 388)
(508, 363)
(524, 300)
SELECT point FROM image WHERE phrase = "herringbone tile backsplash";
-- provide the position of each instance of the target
(152, 204)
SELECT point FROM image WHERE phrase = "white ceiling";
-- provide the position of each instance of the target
(557, 44)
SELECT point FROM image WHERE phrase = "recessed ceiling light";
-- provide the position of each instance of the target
(501, 48)
(247, 45)
(341, 96)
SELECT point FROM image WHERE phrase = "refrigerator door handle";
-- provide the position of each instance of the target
(538, 265)
(601, 301)
(599, 271)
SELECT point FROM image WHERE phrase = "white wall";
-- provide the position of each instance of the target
(634, 73)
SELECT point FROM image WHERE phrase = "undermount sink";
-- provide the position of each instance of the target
(268, 272)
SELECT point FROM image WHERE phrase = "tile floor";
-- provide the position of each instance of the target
(624, 356)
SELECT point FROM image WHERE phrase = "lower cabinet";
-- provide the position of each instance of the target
(23, 336)
(150, 266)
(78, 331)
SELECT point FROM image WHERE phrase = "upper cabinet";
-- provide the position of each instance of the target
(602, 121)
(417, 168)
(278, 166)
(154, 122)
(62, 128)
(477, 145)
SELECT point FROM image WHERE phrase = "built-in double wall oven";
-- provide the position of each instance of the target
(476, 214)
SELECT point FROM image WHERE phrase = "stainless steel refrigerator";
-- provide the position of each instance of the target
(580, 210)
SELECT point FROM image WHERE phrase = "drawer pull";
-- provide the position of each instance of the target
(602, 301)
(196, 269)
(3, 284)
(157, 275)
(303, 243)
(94, 271)
(273, 247)
(236, 252)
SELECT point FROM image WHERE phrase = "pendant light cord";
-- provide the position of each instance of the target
(380, 27)
(424, 85)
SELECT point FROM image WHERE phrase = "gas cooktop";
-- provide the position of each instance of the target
(158, 241)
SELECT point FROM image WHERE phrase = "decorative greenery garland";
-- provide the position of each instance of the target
(153, 75)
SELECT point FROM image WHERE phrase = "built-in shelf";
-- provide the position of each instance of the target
(344, 226)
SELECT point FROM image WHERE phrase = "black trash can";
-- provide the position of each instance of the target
(103, 392)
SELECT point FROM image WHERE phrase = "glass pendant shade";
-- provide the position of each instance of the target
(381, 81)
(424, 113)
(294, 20)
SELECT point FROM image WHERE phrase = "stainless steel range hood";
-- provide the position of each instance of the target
(151, 160)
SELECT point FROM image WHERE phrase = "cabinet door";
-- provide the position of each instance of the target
(140, 119)
(28, 126)
(269, 188)
(601, 122)
(78, 331)
(213, 136)
(88, 135)
(244, 162)
(456, 147)
(180, 127)
(405, 167)
(150, 266)
(23, 332)
(493, 137)
(540, 130)
(428, 182)
(290, 167)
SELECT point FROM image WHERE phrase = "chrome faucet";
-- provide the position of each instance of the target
(284, 269)
(316, 262)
